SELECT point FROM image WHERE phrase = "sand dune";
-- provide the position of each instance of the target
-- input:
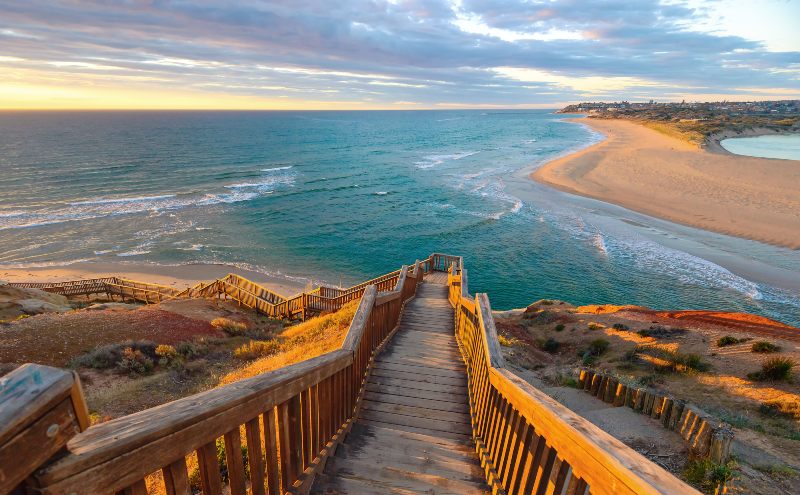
(646, 171)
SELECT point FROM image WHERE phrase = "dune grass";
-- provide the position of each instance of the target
(297, 343)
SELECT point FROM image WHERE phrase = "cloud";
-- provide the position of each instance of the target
(379, 52)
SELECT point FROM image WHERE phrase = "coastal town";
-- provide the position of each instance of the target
(697, 121)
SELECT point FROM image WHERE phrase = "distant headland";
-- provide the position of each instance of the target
(701, 123)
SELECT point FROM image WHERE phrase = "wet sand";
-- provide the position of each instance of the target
(180, 276)
(646, 171)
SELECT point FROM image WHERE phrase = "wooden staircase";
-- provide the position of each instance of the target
(413, 432)
(417, 399)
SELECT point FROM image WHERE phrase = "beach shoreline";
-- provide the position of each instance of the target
(648, 172)
(178, 276)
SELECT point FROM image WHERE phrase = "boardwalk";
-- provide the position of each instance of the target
(413, 432)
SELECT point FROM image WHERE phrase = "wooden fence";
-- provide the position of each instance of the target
(290, 420)
(526, 440)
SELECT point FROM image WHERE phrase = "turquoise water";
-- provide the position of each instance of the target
(341, 196)
(782, 146)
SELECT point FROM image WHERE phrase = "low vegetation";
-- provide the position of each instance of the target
(726, 341)
(765, 347)
(257, 349)
(774, 369)
(707, 475)
(300, 342)
(230, 327)
(595, 349)
(112, 355)
(672, 360)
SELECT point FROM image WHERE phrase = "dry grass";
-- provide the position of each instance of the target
(309, 339)
(672, 130)
(297, 343)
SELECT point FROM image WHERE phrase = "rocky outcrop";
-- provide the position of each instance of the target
(15, 302)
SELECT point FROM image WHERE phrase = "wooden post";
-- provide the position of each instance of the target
(675, 415)
(611, 389)
(619, 396)
(596, 381)
(666, 411)
(41, 408)
(721, 441)
(582, 379)
(587, 386)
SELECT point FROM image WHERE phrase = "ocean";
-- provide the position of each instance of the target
(338, 197)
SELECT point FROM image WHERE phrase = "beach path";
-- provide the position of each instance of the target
(413, 433)
(649, 172)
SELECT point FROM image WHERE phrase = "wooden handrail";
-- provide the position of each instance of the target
(528, 442)
(304, 410)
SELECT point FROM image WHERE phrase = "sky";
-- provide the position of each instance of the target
(393, 54)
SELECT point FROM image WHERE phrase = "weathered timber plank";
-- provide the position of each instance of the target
(419, 369)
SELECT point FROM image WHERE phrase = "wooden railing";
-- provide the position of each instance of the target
(240, 289)
(110, 286)
(528, 442)
(290, 420)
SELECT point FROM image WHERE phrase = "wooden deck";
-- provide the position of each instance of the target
(413, 432)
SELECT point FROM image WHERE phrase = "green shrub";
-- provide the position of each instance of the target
(789, 409)
(230, 327)
(550, 345)
(109, 355)
(620, 326)
(775, 369)
(506, 341)
(677, 361)
(595, 349)
(659, 332)
(726, 341)
(191, 350)
(598, 347)
(166, 351)
(707, 475)
(257, 349)
(542, 317)
(694, 361)
(560, 327)
(765, 347)
(134, 362)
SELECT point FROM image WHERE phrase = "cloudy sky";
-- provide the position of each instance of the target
(393, 53)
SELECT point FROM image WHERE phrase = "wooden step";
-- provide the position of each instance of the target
(416, 410)
(408, 453)
(415, 393)
(459, 381)
(407, 480)
(420, 369)
(421, 385)
(448, 429)
(428, 403)
(387, 434)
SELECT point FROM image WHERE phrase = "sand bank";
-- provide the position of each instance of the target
(645, 171)
(174, 276)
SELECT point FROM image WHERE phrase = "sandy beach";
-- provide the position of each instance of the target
(646, 171)
(174, 276)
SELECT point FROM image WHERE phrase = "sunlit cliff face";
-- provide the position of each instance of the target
(392, 53)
